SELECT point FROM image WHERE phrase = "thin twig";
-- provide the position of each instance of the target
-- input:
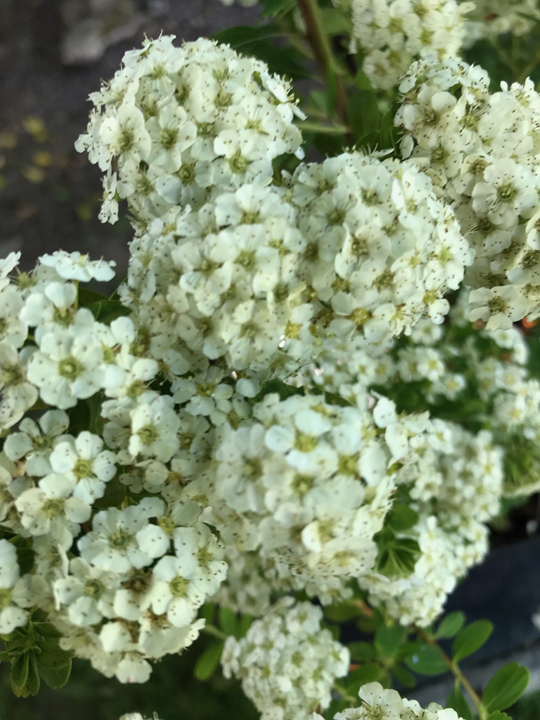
(456, 672)
(214, 631)
(344, 694)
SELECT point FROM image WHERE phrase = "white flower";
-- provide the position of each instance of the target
(154, 429)
(51, 504)
(74, 266)
(499, 307)
(15, 592)
(18, 395)
(66, 368)
(87, 592)
(34, 441)
(84, 461)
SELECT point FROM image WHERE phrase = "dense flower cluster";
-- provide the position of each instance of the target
(310, 484)
(379, 703)
(392, 33)
(287, 662)
(262, 275)
(141, 570)
(175, 124)
(482, 151)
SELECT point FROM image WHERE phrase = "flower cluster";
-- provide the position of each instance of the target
(482, 151)
(141, 570)
(287, 662)
(392, 33)
(309, 484)
(260, 276)
(177, 123)
(378, 702)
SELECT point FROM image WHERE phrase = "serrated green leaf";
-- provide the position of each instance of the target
(208, 662)
(403, 676)
(370, 672)
(450, 625)
(227, 620)
(457, 702)
(427, 660)
(19, 670)
(506, 686)
(362, 651)
(388, 640)
(471, 638)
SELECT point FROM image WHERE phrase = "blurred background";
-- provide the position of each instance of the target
(53, 53)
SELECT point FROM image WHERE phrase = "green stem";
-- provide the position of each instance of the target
(214, 631)
(527, 70)
(457, 673)
(344, 694)
(322, 50)
(329, 129)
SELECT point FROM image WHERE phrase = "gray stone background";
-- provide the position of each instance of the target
(53, 53)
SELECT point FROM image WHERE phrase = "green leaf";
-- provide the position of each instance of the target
(386, 138)
(254, 41)
(363, 114)
(19, 670)
(55, 672)
(341, 612)
(471, 638)
(31, 687)
(362, 81)
(450, 625)
(402, 518)
(88, 297)
(243, 626)
(457, 702)
(499, 716)
(506, 686)
(388, 640)
(362, 651)
(108, 310)
(397, 557)
(274, 7)
(208, 661)
(403, 676)
(370, 672)
(427, 660)
(335, 22)
(227, 620)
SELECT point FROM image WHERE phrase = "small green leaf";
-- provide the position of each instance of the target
(19, 670)
(397, 557)
(363, 114)
(506, 686)
(31, 686)
(208, 661)
(386, 138)
(362, 651)
(88, 297)
(499, 716)
(362, 81)
(403, 676)
(402, 517)
(341, 612)
(388, 640)
(450, 625)
(471, 638)
(427, 660)
(457, 702)
(227, 620)
(55, 674)
(335, 22)
(243, 626)
(370, 672)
